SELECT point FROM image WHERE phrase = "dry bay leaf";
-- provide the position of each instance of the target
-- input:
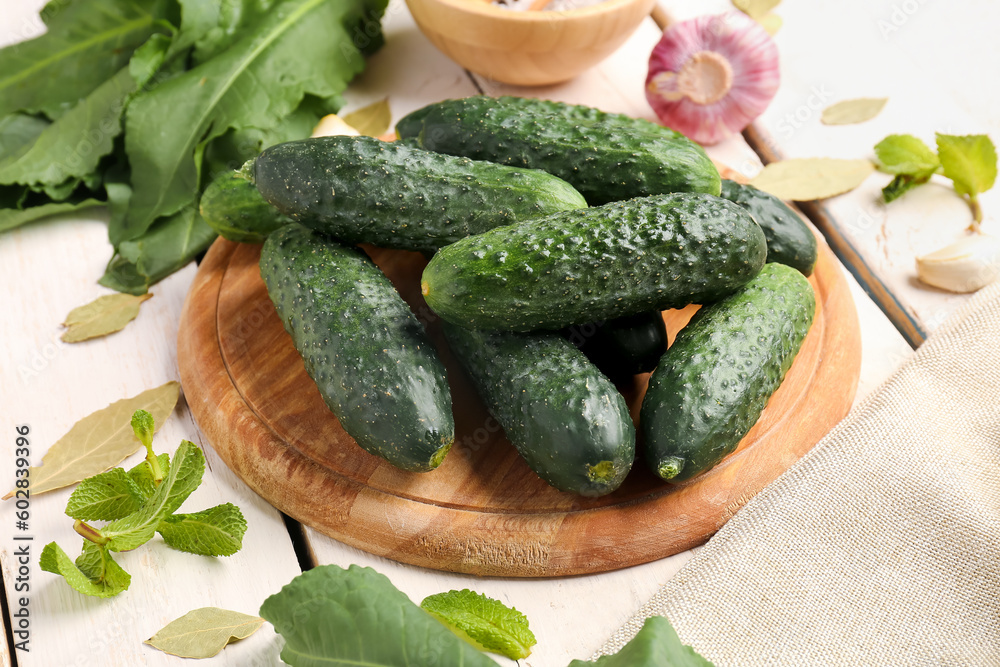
(771, 23)
(812, 178)
(372, 120)
(100, 440)
(104, 315)
(756, 9)
(848, 112)
(204, 632)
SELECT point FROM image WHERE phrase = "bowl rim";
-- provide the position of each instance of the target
(488, 9)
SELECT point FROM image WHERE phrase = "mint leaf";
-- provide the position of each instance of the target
(483, 621)
(86, 43)
(655, 645)
(142, 475)
(332, 616)
(104, 497)
(969, 161)
(905, 154)
(217, 531)
(167, 246)
(136, 529)
(95, 573)
(298, 47)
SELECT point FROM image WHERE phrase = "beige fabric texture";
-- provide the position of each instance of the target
(882, 545)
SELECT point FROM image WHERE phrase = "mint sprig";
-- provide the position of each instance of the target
(138, 505)
(969, 161)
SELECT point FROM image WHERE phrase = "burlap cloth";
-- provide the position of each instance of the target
(882, 545)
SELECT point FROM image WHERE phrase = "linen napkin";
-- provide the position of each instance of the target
(882, 545)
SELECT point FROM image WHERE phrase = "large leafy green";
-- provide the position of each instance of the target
(86, 43)
(72, 146)
(167, 247)
(299, 47)
(331, 616)
(212, 27)
(655, 645)
(16, 216)
(19, 129)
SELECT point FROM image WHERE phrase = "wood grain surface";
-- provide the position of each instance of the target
(483, 511)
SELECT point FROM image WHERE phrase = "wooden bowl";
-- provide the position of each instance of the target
(530, 48)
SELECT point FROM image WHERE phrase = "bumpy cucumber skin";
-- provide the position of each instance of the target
(233, 207)
(626, 346)
(566, 419)
(360, 189)
(713, 383)
(367, 353)
(606, 161)
(596, 264)
(789, 240)
(410, 125)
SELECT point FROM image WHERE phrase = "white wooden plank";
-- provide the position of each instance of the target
(930, 60)
(46, 269)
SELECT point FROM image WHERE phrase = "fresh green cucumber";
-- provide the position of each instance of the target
(361, 344)
(596, 264)
(625, 346)
(410, 125)
(360, 189)
(712, 384)
(566, 419)
(233, 207)
(789, 240)
(603, 159)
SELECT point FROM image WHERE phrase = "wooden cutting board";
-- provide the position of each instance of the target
(483, 511)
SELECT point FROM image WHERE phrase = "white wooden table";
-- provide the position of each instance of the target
(929, 62)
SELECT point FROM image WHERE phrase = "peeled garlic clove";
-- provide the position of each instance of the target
(710, 76)
(333, 125)
(964, 266)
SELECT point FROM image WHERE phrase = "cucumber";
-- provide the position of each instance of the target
(789, 239)
(566, 419)
(233, 207)
(366, 351)
(603, 159)
(596, 264)
(623, 347)
(712, 384)
(360, 189)
(410, 125)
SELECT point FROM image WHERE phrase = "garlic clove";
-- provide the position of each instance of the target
(964, 266)
(333, 125)
(710, 76)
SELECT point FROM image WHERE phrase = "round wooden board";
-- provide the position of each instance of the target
(483, 511)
